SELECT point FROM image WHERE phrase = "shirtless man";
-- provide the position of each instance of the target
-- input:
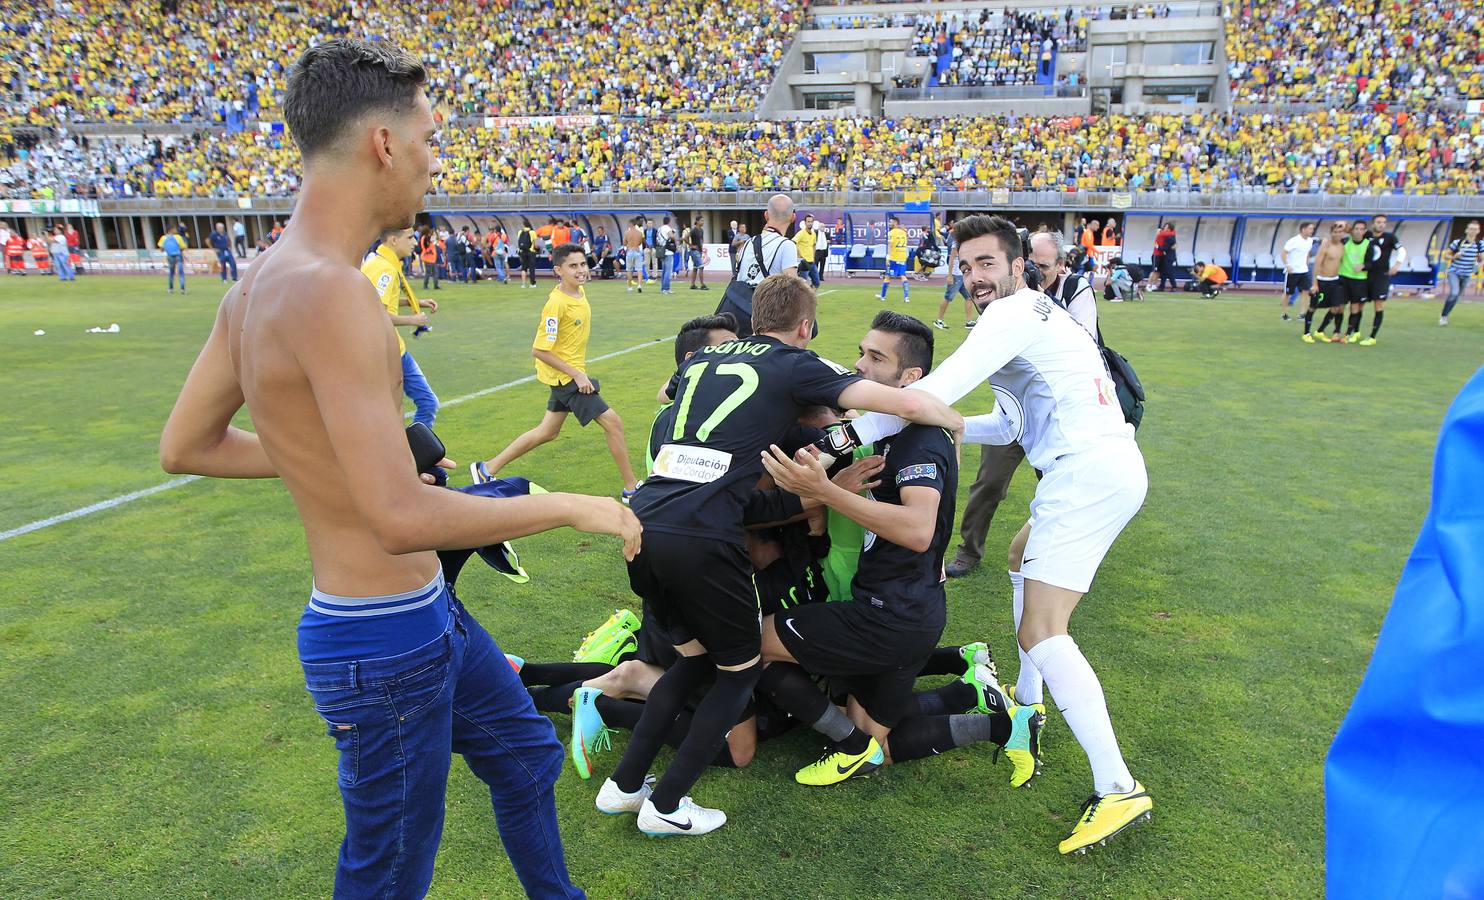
(633, 248)
(1326, 292)
(398, 669)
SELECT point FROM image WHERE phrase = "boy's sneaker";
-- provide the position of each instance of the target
(688, 818)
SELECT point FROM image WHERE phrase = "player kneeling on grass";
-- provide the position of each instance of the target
(878, 642)
(1048, 368)
(560, 350)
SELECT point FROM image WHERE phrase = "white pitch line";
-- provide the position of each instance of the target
(120, 500)
(96, 507)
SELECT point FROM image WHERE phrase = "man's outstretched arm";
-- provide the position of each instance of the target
(199, 438)
(919, 407)
(342, 346)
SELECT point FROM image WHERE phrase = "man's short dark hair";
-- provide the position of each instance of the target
(560, 254)
(342, 79)
(781, 302)
(696, 333)
(971, 227)
(1359, 222)
(914, 339)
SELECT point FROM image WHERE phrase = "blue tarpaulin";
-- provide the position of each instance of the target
(1404, 781)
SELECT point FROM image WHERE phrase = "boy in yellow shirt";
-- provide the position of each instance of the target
(560, 350)
(384, 268)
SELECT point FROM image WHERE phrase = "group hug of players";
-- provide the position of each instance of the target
(764, 500)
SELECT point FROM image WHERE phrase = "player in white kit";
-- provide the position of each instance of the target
(1056, 398)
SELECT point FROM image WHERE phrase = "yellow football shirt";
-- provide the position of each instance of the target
(804, 240)
(896, 245)
(385, 272)
(566, 324)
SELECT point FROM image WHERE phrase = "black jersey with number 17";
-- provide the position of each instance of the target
(734, 399)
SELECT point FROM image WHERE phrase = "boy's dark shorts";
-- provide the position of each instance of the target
(586, 407)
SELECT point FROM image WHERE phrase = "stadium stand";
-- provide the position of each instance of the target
(1354, 55)
(224, 63)
(997, 47)
(1332, 153)
(640, 81)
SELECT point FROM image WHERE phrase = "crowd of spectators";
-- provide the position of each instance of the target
(1354, 54)
(993, 47)
(219, 62)
(1335, 152)
(207, 164)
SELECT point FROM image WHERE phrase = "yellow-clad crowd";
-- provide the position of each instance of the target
(212, 61)
(1353, 53)
(1334, 152)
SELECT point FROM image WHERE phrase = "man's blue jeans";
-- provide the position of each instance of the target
(666, 270)
(415, 386)
(62, 265)
(228, 262)
(396, 722)
(175, 264)
(500, 271)
(1457, 284)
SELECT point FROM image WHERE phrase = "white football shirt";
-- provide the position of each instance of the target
(1032, 349)
(1296, 254)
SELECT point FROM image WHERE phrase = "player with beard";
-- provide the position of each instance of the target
(1067, 417)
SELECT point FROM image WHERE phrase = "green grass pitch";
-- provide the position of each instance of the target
(158, 741)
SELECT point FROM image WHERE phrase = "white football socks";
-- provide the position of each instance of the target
(1079, 696)
(1028, 683)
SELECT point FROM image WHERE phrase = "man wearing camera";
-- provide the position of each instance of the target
(1071, 290)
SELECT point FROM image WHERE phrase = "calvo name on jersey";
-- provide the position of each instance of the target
(745, 348)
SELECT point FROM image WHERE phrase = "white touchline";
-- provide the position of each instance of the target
(187, 479)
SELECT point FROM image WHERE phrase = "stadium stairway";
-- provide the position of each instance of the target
(1047, 76)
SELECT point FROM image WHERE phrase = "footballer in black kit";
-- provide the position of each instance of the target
(694, 574)
(733, 400)
(1378, 268)
(879, 643)
(1378, 262)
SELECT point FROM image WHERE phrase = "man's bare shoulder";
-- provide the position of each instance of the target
(312, 289)
(312, 278)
